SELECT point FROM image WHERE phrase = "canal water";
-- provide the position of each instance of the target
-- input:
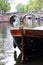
(7, 51)
(10, 55)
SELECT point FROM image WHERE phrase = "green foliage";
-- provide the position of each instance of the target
(26, 8)
(35, 5)
(4, 5)
(32, 5)
(20, 7)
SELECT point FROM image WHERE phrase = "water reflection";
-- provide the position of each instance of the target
(11, 61)
(15, 56)
(31, 61)
(11, 56)
(7, 52)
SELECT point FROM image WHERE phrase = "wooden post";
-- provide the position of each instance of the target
(22, 32)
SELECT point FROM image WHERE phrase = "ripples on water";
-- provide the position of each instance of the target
(7, 52)
(11, 56)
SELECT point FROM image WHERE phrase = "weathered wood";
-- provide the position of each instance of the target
(28, 33)
(32, 33)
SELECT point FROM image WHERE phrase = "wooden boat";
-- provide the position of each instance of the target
(28, 40)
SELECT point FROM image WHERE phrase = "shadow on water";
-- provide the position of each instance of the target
(11, 57)
(15, 56)
(32, 61)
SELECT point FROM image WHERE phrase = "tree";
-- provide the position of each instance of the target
(26, 8)
(35, 5)
(4, 5)
(32, 5)
(20, 7)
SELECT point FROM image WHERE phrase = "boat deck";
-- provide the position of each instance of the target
(37, 31)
